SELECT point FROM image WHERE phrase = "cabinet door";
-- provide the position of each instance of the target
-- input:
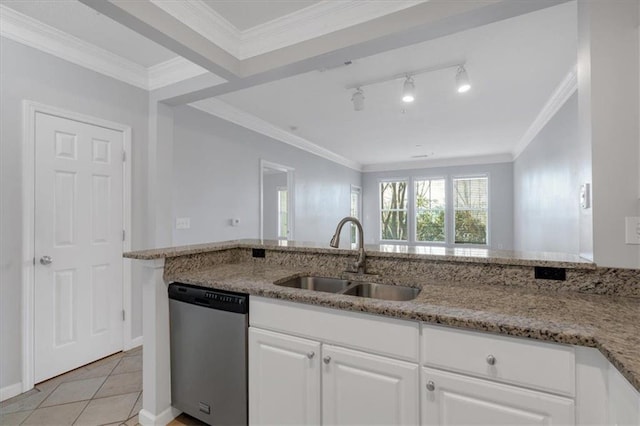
(363, 389)
(284, 379)
(453, 399)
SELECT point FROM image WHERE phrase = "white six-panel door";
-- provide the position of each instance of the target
(78, 244)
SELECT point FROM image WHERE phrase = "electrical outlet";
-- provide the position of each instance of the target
(632, 230)
(183, 222)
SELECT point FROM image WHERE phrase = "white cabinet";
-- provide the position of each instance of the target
(453, 399)
(363, 389)
(284, 379)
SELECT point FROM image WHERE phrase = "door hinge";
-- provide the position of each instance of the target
(123, 235)
(123, 315)
(124, 156)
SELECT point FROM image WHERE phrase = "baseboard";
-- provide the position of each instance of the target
(133, 343)
(10, 391)
(145, 418)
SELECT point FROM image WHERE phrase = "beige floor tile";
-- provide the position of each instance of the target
(137, 407)
(31, 402)
(120, 384)
(133, 352)
(79, 390)
(59, 415)
(12, 419)
(133, 421)
(129, 364)
(108, 410)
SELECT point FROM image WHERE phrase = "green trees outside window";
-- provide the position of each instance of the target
(430, 208)
(393, 211)
(471, 210)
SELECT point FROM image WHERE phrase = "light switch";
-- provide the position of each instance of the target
(183, 222)
(632, 230)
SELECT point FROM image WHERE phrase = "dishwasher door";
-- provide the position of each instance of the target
(209, 354)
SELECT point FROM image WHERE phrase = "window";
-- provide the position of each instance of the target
(470, 205)
(430, 204)
(355, 211)
(393, 210)
(283, 214)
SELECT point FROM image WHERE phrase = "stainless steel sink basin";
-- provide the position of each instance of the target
(328, 285)
(382, 291)
(353, 288)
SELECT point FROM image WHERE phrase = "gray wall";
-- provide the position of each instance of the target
(547, 186)
(500, 198)
(216, 174)
(26, 73)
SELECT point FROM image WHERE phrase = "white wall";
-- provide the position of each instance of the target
(26, 73)
(500, 198)
(608, 80)
(546, 184)
(216, 173)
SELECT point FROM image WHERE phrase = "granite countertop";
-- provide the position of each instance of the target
(445, 254)
(611, 324)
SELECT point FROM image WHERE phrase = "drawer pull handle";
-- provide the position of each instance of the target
(327, 359)
(310, 355)
(431, 386)
(491, 360)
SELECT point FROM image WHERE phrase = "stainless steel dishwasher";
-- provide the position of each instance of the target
(209, 353)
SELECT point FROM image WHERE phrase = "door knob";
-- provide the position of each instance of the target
(46, 260)
(310, 355)
(431, 386)
(327, 359)
(491, 360)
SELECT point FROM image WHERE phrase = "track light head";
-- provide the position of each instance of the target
(358, 100)
(408, 90)
(462, 80)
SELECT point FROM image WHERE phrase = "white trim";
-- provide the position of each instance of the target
(33, 33)
(558, 98)
(290, 196)
(230, 113)
(444, 162)
(310, 22)
(172, 71)
(134, 343)
(145, 418)
(29, 110)
(10, 391)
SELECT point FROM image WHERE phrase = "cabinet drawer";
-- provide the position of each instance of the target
(373, 333)
(526, 362)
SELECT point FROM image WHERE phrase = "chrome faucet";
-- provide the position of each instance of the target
(360, 264)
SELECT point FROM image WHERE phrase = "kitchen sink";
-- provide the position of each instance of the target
(382, 291)
(353, 288)
(327, 285)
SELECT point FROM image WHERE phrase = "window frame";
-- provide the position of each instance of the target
(453, 177)
(414, 219)
(380, 181)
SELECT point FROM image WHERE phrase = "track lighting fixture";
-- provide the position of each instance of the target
(408, 87)
(358, 100)
(462, 80)
(408, 90)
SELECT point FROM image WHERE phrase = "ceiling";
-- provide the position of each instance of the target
(514, 66)
(250, 13)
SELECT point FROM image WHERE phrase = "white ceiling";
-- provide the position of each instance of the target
(85, 23)
(514, 66)
(247, 14)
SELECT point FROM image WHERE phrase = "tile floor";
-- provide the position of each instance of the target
(106, 392)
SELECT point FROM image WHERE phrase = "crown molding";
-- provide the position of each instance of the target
(205, 21)
(172, 71)
(560, 95)
(230, 113)
(314, 21)
(31, 32)
(437, 162)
